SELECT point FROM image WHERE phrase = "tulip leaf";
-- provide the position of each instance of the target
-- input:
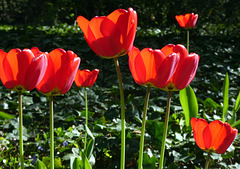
(189, 104)
(235, 110)
(89, 149)
(225, 96)
(79, 164)
(4, 116)
(40, 165)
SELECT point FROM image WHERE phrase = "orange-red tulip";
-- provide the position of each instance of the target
(110, 36)
(22, 69)
(187, 21)
(86, 78)
(213, 137)
(152, 67)
(60, 73)
(186, 68)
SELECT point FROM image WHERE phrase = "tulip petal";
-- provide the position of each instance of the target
(198, 126)
(227, 141)
(207, 137)
(186, 71)
(83, 24)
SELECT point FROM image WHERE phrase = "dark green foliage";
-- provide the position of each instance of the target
(216, 39)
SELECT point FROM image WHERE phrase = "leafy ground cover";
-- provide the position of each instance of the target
(219, 53)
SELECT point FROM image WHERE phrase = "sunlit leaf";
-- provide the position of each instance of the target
(40, 165)
(225, 96)
(189, 104)
(89, 149)
(4, 116)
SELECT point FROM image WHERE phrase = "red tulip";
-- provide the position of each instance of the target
(60, 73)
(152, 67)
(86, 78)
(111, 36)
(187, 21)
(186, 68)
(213, 137)
(22, 69)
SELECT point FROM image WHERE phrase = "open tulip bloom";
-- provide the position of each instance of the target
(86, 78)
(188, 20)
(110, 36)
(22, 70)
(213, 137)
(57, 80)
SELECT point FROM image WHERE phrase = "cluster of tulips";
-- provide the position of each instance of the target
(171, 68)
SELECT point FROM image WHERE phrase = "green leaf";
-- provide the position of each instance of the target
(89, 149)
(40, 165)
(237, 104)
(149, 163)
(81, 162)
(189, 104)
(89, 132)
(225, 96)
(4, 116)
(235, 110)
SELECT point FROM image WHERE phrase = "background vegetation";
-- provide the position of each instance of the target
(52, 24)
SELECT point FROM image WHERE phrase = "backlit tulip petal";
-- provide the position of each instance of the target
(110, 36)
(60, 73)
(22, 69)
(185, 70)
(213, 137)
(187, 21)
(86, 78)
(151, 67)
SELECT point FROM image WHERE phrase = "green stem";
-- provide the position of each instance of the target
(86, 118)
(122, 166)
(165, 130)
(51, 133)
(21, 129)
(188, 41)
(143, 129)
(207, 161)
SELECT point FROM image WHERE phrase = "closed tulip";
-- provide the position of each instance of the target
(86, 78)
(22, 69)
(188, 20)
(213, 137)
(110, 36)
(152, 67)
(60, 73)
(186, 68)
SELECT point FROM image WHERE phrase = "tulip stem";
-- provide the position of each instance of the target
(122, 166)
(207, 161)
(51, 133)
(86, 118)
(188, 41)
(165, 130)
(143, 129)
(21, 129)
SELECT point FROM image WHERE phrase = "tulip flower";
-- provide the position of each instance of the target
(152, 67)
(186, 68)
(86, 78)
(22, 69)
(110, 36)
(60, 73)
(58, 79)
(188, 20)
(213, 137)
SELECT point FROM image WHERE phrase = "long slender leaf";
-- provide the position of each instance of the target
(4, 116)
(235, 110)
(225, 96)
(189, 104)
(89, 149)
